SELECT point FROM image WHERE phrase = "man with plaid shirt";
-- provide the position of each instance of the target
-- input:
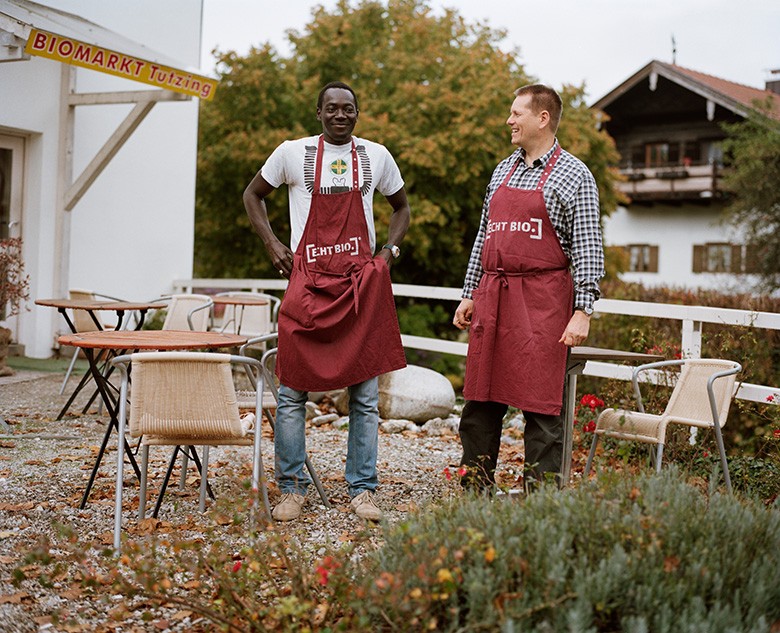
(530, 286)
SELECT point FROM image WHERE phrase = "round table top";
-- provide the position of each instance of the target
(82, 304)
(152, 339)
(238, 300)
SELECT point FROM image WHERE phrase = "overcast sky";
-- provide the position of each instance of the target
(598, 42)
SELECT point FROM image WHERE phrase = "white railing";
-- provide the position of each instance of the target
(692, 319)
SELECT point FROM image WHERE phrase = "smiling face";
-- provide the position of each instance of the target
(338, 115)
(525, 125)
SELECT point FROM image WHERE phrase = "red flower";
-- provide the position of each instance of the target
(591, 401)
(236, 566)
(326, 566)
(462, 471)
(589, 427)
(776, 433)
(770, 398)
(447, 474)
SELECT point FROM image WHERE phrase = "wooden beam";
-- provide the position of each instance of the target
(66, 127)
(106, 153)
(135, 96)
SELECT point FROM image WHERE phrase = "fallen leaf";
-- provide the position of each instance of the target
(181, 615)
(16, 507)
(16, 598)
(145, 526)
(74, 592)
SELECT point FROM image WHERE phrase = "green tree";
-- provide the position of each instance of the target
(753, 148)
(433, 88)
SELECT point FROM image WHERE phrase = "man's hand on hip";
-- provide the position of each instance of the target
(576, 330)
(462, 319)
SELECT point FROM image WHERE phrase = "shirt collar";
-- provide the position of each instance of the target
(539, 161)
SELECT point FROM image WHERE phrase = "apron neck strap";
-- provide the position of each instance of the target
(548, 168)
(321, 158)
(545, 174)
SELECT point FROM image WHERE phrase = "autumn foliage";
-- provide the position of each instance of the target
(432, 87)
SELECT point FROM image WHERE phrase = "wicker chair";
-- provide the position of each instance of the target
(188, 312)
(83, 322)
(701, 398)
(185, 399)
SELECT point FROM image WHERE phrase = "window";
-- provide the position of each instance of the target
(642, 258)
(656, 154)
(717, 257)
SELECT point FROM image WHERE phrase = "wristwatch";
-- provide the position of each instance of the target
(393, 249)
(587, 311)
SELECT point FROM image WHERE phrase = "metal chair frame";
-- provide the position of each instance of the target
(605, 424)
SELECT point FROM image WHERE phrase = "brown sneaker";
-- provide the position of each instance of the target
(365, 506)
(289, 507)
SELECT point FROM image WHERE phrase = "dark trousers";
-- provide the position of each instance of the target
(480, 434)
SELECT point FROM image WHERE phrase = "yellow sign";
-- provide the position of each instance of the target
(70, 51)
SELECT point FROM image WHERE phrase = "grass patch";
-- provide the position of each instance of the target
(52, 365)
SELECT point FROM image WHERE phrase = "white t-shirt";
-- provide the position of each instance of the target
(293, 163)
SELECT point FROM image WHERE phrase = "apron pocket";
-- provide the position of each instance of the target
(296, 303)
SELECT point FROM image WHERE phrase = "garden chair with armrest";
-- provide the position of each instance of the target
(186, 399)
(701, 398)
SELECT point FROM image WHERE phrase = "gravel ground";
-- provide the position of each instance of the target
(44, 466)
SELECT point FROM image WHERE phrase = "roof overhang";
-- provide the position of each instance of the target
(656, 69)
(28, 28)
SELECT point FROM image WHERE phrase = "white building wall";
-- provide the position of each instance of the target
(674, 229)
(133, 231)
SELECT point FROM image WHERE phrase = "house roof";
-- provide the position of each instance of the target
(19, 17)
(736, 97)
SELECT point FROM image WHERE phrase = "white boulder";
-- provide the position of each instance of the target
(415, 393)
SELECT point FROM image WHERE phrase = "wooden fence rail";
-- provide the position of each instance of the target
(691, 318)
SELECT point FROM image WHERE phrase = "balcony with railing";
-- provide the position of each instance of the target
(672, 182)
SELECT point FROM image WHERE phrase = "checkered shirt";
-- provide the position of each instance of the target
(572, 200)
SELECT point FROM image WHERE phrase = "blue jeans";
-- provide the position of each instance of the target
(290, 439)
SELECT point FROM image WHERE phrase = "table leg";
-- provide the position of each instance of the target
(65, 316)
(86, 377)
(84, 380)
(112, 410)
(168, 472)
(569, 403)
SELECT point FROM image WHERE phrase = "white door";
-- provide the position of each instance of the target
(11, 186)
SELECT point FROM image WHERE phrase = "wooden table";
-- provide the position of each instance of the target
(120, 307)
(576, 364)
(122, 341)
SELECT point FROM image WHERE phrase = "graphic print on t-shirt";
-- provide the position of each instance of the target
(335, 176)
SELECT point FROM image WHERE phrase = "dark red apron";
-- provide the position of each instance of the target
(522, 305)
(337, 322)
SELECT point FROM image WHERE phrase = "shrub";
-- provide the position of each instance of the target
(650, 554)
